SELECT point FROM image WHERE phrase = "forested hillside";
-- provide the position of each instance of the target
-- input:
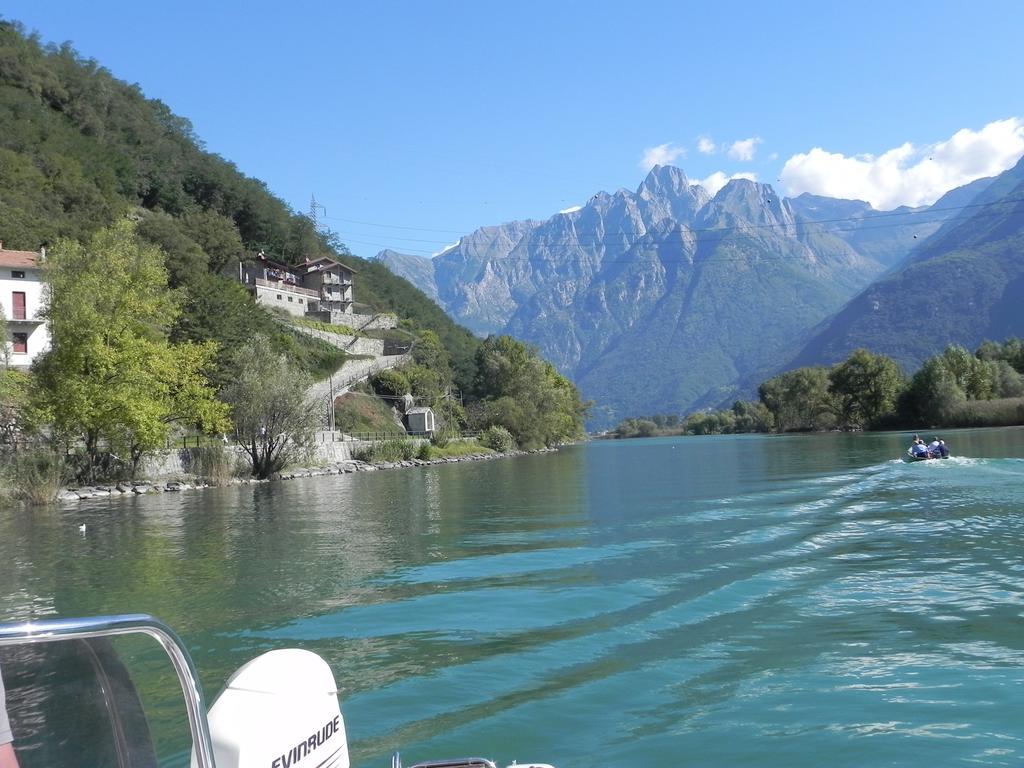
(963, 285)
(127, 197)
(80, 149)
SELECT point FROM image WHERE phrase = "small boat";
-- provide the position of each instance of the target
(911, 457)
(72, 702)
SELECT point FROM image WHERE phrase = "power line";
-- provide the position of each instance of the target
(695, 236)
(844, 219)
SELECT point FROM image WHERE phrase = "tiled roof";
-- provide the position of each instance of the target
(324, 260)
(19, 259)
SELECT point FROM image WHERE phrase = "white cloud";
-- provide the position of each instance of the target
(706, 146)
(744, 148)
(573, 209)
(663, 154)
(907, 175)
(717, 180)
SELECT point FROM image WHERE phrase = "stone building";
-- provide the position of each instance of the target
(320, 289)
(419, 421)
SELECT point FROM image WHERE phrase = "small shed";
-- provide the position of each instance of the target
(419, 421)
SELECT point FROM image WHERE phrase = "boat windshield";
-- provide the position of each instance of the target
(71, 700)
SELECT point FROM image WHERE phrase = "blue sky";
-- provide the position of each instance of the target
(415, 122)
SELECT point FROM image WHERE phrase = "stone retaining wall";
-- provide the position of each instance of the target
(327, 449)
(371, 322)
(351, 372)
(356, 345)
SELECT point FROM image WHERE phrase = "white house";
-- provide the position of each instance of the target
(21, 299)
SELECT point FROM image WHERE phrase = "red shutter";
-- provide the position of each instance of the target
(19, 305)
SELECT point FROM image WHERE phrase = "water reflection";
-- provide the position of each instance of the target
(758, 600)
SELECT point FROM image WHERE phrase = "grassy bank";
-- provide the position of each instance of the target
(1005, 412)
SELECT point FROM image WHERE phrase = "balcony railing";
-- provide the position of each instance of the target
(279, 286)
(329, 279)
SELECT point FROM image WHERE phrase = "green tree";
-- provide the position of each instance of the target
(185, 260)
(217, 235)
(429, 352)
(800, 400)
(497, 438)
(866, 387)
(703, 423)
(1011, 351)
(451, 417)
(1006, 382)
(5, 350)
(111, 378)
(220, 310)
(972, 376)
(274, 420)
(15, 417)
(932, 395)
(645, 428)
(752, 416)
(525, 394)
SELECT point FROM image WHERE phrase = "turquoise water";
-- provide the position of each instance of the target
(742, 600)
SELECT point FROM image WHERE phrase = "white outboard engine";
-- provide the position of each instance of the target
(279, 711)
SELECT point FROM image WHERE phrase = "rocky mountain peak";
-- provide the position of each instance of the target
(668, 194)
(664, 181)
(742, 201)
(633, 283)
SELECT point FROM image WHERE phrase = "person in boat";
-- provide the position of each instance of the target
(919, 449)
(943, 450)
(7, 756)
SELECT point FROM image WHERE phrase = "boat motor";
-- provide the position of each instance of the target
(279, 711)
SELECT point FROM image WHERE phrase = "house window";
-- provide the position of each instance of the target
(19, 305)
(290, 299)
(301, 301)
(279, 297)
(20, 343)
(17, 273)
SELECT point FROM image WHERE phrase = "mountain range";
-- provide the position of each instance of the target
(962, 285)
(668, 299)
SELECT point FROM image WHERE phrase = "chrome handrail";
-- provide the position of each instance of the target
(458, 762)
(55, 630)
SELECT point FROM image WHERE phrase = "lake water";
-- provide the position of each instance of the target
(741, 600)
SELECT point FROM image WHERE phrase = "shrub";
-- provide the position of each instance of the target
(104, 467)
(388, 450)
(215, 463)
(1006, 412)
(390, 383)
(497, 438)
(35, 475)
(458, 448)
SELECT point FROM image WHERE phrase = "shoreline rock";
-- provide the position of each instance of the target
(141, 487)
